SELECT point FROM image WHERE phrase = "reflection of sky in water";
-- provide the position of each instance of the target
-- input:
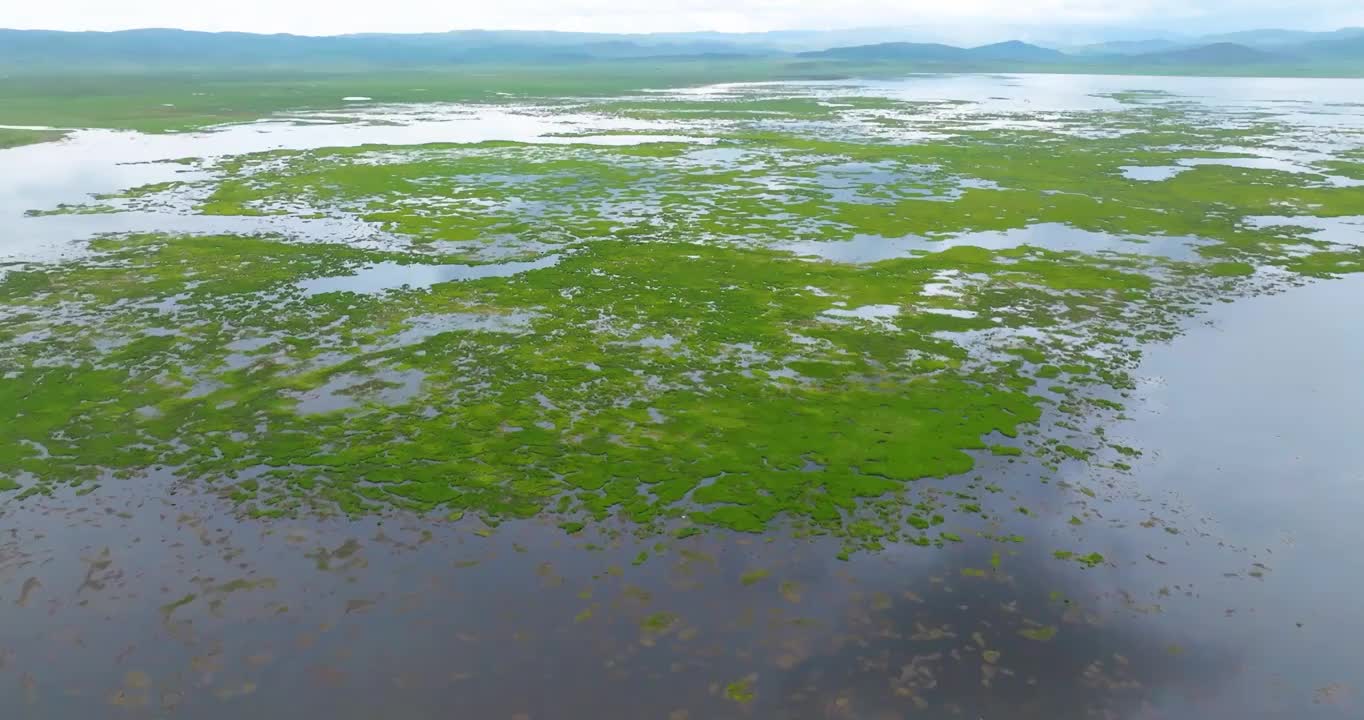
(883, 315)
(1049, 236)
(1256, 419)
(1156, 173)
(104, 161)
(1297, 101)
(108, 161)
(1347, 230)
(1270, 163)
(1151, 173)
(50, 237)
(351, 619)
(392, 276)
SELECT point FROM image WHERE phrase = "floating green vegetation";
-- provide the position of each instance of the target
(659, 622)
(753, 577)
(1091, 560)
(169, 609)
(779, 328)
(742, 691)
(1040, 633)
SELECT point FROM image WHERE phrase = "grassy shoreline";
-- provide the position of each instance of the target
(14, 137)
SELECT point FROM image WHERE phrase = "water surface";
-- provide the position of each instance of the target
(1225, 584)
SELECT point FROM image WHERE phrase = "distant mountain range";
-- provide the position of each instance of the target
(1336, 48)
(167, 47)
(1012, 50)
(1286, 43)
(163, 48)
(1222, 53)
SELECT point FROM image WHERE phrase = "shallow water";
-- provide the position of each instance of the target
(94, 162)
(1348, 230)
(1051, 236)
(393, 276)
(1220, 547)
(1312, 116)
(1227, 587)
(55, 237)
(1314, 102)
(1151, 173)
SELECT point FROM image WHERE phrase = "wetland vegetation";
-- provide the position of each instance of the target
(767, 344)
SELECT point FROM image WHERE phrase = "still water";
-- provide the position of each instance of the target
(1229, 586)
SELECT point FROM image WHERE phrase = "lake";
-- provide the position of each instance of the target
(846, 399)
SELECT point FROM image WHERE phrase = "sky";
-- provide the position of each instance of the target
(326, 17)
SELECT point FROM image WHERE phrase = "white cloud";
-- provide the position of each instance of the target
(340, 16)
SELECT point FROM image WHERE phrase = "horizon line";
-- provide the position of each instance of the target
(857, 28)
